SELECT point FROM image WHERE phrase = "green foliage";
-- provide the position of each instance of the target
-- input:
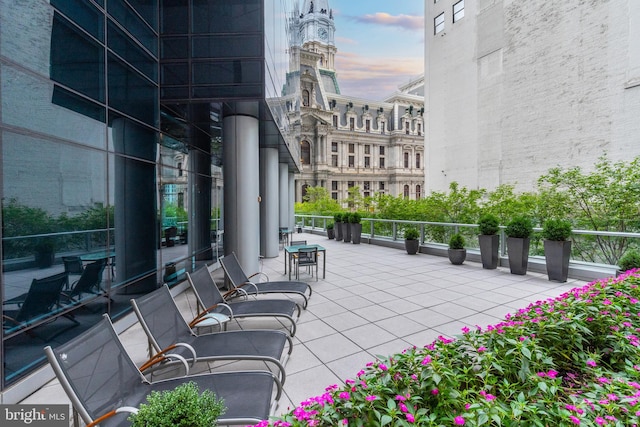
(563, 362)
(456, 241)
(411, 234)
(338, 216)
(630, 259)
(556, 229)
(355, 218)
(317, 201)
(183, 406)
(488, 224)
(330, 226)
(520, 227)
(354, 198)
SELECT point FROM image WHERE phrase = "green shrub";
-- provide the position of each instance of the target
(183, 406)
(355, 218)
(456, 241)
(411, 234)
(630, 259)
(556, 229)
(338, 216)
(520, 226)
(330, 226)
(488, 224)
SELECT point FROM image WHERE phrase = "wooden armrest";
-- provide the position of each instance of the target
(110, 414)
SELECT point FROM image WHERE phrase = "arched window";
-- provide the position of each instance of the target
(305, 153)
(418, 192)
(406, 160)
(304, 191)
(305, 98)
(406, 191)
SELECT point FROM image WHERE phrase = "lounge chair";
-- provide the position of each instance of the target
(89, 282)
(167, 330)
(41, 304)
(239, 280)
(105, 386)
(211, 301)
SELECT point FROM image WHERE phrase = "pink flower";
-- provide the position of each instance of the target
(370, 398)
(459, 421)
(344, 395)
(403, 408)
(383, 367)
(574, 419)
(435, 391)
(481, 349)
(410, 418)
(426, 360)
(591, 363)
(600, 421)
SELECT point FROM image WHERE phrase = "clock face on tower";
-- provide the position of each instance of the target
(323, 34)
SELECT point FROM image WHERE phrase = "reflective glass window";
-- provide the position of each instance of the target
(226, 16)
(83, 13)
(124, 46)
(137, 27)
(131, 93)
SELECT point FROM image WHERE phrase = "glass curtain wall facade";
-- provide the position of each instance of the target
(111, 131)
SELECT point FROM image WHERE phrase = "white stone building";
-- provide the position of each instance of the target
(516, 87)
(345, 141)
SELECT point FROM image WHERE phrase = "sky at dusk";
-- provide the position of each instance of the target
(380, 45)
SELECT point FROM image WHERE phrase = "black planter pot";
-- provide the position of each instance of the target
(412, 246)
(557, 255)
(346, 232)
(489, 244)
(331, 233)
(44, 259)
(356, 233)
(457, 256)
(518, 251)
(337, 227)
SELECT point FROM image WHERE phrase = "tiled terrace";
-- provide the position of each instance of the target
(375, 301)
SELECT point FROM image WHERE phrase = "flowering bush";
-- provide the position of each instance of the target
(572, 360)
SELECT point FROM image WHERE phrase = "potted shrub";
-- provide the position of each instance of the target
(411, 242)
(518, 232)
(557, 249)
(346, 227)
(629, 261)
(330, 231)
(356, 227)
(488, 225)
(182, 406)
(337, 219)
(457, 253)
(44, 253)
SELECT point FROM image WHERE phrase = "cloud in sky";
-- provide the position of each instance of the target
(406, 22)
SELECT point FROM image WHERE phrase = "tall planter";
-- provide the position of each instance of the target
(489, 245)
(557, 255)
(338, 229)
(346, 232)
(356, 233)
(518, 251)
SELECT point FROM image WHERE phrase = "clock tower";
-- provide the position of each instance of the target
(316, 31)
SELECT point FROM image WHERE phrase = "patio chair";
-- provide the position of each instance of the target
(105, 386)
(72, 266)
(166, 330)
(211, 301)
(39, 305)
(307, 257)
(239, 280)
(89, 282)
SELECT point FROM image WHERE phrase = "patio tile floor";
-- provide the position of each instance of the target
(375, 301)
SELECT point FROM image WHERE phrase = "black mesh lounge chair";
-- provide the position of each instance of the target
(166, 329)
(210, 300)
(239, 280)
(105, 386)
(39, 305)
(89, 282)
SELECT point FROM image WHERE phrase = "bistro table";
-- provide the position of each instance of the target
(290, 251)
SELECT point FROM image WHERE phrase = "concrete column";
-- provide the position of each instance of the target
(270, 205)
(283, 199)
(240, 138)
(292, 201)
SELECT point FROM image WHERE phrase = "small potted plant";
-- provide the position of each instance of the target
(518, 231)
(489, 240)
(356, 227)
(182, 406)
(457, 253)
(629, 261)
(337, 219)
(411, 242)
(44, 253)
(330, 231)
(557, 249)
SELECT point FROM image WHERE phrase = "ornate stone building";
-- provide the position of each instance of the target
(345, 142)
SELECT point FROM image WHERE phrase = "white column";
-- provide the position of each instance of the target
(284, 195)
(270, 205)
(241, 189)
(292, 201)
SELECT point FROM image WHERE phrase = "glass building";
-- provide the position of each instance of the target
(140, 139)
